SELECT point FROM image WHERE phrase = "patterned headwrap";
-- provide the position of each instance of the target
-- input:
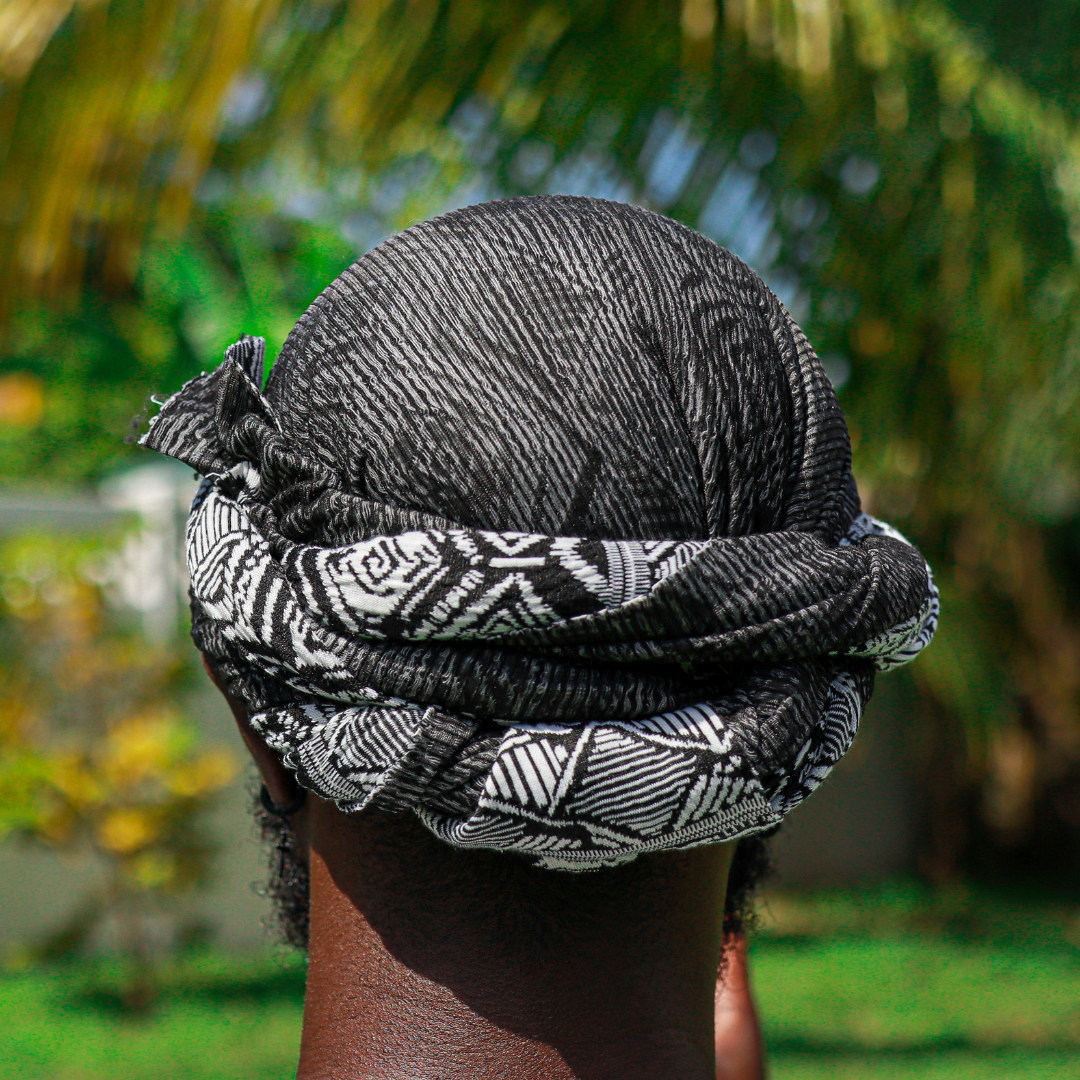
(545, 529)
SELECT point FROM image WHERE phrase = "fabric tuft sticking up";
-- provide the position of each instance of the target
(545, 529)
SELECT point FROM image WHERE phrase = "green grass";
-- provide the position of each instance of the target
(883, 985)
(218, 1019)
(912, 1008)
(894, 985)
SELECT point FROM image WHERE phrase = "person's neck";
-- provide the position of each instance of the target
(427, 962)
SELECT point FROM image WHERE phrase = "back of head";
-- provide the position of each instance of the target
(536, 489)
(545, 531)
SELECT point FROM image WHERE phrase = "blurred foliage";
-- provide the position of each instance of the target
(906, 176)
(93, 757)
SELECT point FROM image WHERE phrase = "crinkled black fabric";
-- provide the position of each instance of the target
(549, 367)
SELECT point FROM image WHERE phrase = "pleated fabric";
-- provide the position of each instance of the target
(545, 529)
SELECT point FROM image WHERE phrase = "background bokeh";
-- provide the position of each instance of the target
(905, 176)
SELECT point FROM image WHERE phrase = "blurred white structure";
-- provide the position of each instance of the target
(148, 574)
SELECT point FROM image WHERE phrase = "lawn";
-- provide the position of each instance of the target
(884, 985)
(893, 984)
(219, 1018)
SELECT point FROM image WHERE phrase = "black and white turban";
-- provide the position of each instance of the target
(544, 528)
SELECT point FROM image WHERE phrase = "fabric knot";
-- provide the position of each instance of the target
(221, 419)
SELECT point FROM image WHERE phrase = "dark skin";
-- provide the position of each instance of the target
(430, 962)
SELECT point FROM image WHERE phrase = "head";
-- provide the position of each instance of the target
(544, 529)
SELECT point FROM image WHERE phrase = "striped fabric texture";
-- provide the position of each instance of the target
(544, 528)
